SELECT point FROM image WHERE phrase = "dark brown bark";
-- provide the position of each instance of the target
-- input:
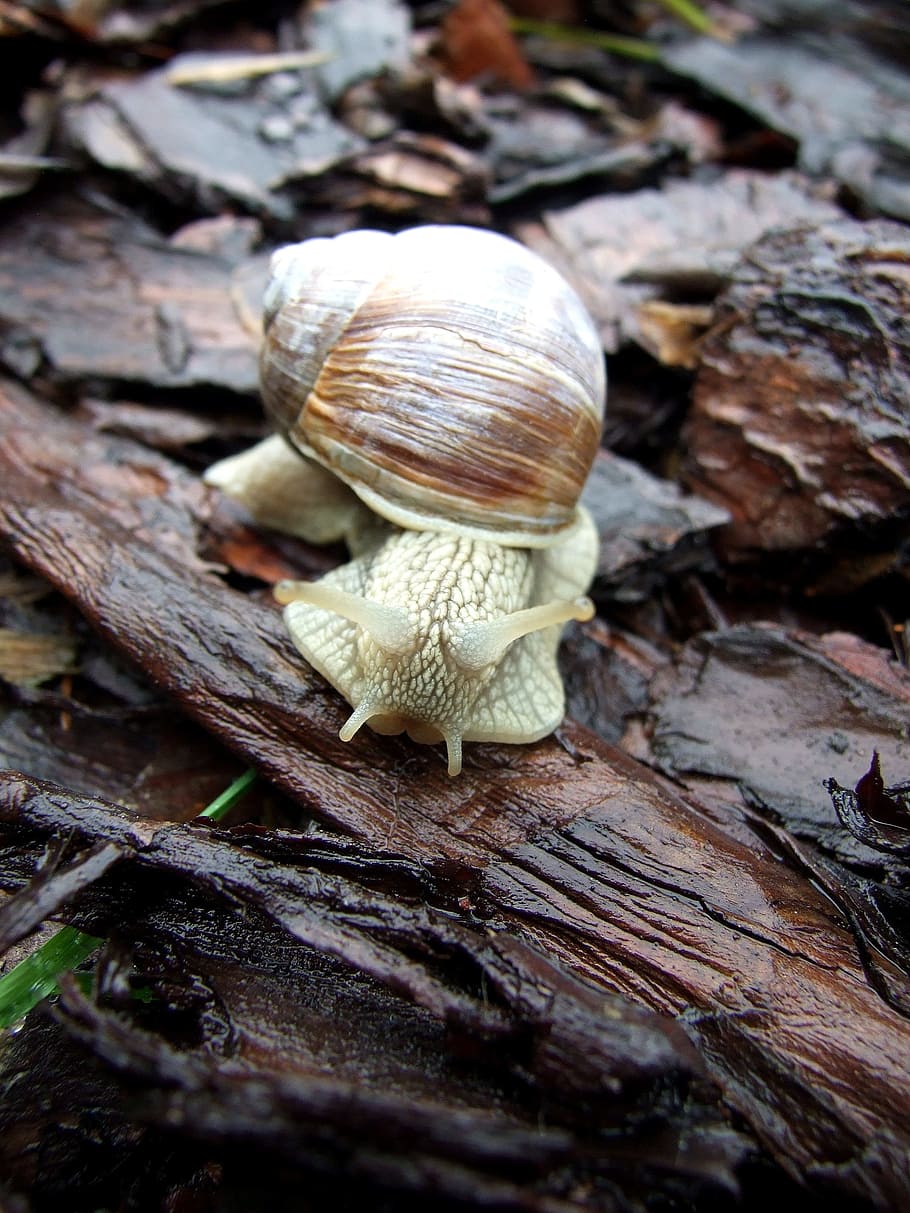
(572, 845)
(800, 419)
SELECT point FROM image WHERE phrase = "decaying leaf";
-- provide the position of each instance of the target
(877, 815)
(475, 40)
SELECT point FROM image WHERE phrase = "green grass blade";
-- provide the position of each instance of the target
(230, 796)
(35, 978)
(614, 44)
(617, 44)
(692, 15)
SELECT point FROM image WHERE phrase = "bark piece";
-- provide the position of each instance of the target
(480, 1031)
(877, 909)
(807, 709)
(242, 141)
(57, 1083)
(619, 250)
(648, 529)
(87, 296)
(30, 658)
(163, 767)
(754, 1006)
(606, 673)
(416, 177)
(845, 104)
(99, 728)
(167, 429)
(107, 22)
(673, 331)
(421, 96)
(51, 888)
(36, 640)
(801, 423)
(541, 147)
(371, 913)
(23, 157)
(360, 39)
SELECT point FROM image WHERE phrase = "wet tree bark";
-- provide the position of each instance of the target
(573, 846)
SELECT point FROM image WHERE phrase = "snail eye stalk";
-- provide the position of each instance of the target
(482, 644)
(388, 625)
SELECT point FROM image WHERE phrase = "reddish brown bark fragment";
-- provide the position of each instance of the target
(801, 424)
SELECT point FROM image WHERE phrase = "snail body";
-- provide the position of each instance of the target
(455, 384)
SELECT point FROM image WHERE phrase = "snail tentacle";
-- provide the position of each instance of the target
(389, 626)
(361, 714)
(481, 644)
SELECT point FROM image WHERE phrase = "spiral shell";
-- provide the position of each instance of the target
(447, 374)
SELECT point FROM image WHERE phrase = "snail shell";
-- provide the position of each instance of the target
(447, 374)
(456, 384)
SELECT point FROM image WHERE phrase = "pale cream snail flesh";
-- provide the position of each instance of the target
(445, 388)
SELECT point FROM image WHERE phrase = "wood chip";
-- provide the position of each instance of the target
(88, 296)
(27, 658)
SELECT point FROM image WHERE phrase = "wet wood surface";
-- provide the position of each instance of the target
(657, 960)
(578, 848)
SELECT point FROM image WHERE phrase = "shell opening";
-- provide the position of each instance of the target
(481, 644)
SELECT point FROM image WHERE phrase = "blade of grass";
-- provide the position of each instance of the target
(692, 15)
(35, 978)
(233, 793)
(614, 44)
(617, 44)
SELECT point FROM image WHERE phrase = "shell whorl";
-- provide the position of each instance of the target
(447, 374)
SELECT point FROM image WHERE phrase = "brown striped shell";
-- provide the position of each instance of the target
(450, 376)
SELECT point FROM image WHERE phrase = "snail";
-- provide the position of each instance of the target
(445, 388)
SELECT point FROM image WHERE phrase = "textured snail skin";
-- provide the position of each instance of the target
(456, 384)
(312, 504)
(448, 676)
